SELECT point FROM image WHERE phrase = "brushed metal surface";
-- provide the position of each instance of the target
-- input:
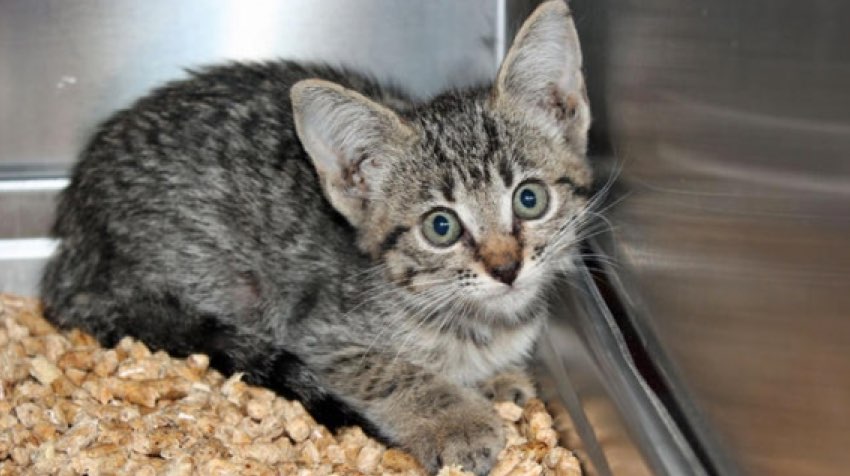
(65, 66)
(609, 416)
(731, 120)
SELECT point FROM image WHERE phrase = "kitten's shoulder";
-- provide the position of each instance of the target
(253, 94)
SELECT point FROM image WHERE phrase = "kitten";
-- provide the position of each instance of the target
(379, 259)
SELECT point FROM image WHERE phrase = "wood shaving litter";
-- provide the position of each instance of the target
(68, 406)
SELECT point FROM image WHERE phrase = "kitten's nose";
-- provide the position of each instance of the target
(501, 256)
(506, 272)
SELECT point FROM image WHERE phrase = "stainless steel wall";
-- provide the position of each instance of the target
(730, 120)
(66, 65)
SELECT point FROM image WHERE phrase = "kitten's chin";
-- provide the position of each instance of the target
(511, 304)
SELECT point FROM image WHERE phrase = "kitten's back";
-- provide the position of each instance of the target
(197, 199)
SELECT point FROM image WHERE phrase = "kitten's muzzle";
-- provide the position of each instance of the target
(502, 257)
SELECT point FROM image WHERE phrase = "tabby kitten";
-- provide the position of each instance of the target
(379, 259)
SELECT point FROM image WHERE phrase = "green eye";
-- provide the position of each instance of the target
(441, 227)
(531, 200)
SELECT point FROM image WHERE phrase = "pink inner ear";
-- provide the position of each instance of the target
(564, 107)
(352, 174)
(353, 182)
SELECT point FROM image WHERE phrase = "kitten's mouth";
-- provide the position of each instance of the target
(509, 290)
(516, 290)
(510, 299)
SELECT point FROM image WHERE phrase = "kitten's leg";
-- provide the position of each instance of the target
(437, 421)
(514, 385)
(288, 375)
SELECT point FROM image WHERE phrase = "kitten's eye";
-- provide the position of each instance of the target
(441, 227)
(531, 200)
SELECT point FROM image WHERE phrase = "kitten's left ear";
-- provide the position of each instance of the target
(351, 141)
(541, 75)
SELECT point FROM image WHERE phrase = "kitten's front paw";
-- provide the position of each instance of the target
(469, 437)
(513, 386)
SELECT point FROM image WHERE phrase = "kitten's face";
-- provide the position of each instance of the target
(471, 201)
(483, 212)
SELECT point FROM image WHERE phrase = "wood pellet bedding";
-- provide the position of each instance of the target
(68, 406)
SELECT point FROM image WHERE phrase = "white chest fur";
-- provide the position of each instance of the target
(466, 362)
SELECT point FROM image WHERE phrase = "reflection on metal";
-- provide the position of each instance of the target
(561, 388)
(20, 259)
(32, 248)
(732, 121)
(601, 387)
(33, 185)
(65, 66)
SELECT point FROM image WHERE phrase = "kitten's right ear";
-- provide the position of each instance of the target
(351, 141)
